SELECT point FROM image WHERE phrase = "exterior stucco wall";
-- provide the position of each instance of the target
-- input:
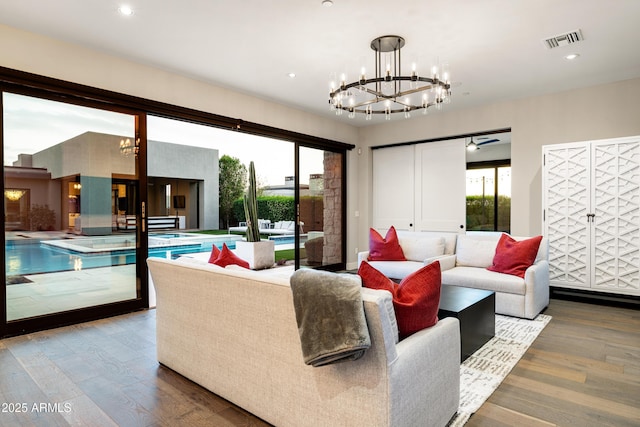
(189, 163)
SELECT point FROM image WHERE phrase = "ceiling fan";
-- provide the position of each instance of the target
(472, 146)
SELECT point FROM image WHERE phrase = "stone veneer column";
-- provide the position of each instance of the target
(332, 212)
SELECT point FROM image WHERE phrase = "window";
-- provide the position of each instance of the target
(488, 197)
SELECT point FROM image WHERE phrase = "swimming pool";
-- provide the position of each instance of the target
(48, 256)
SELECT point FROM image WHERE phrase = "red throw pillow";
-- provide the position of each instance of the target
(227, 257)
(415, 300)
(385, 249)
(215, 253)
(514, 256)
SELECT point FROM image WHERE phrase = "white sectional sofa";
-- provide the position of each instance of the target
(235, 333)
(464, 259)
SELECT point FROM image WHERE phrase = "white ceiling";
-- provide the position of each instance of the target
(494, 48)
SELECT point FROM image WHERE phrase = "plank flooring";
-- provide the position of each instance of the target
(584, 369)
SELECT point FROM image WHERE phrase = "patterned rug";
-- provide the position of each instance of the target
(485, 369)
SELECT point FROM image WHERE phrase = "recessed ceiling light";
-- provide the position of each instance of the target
(327, 3)
(571, 56)
(125, 10)
(292, 75)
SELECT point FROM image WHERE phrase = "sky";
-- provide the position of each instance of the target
(32, 124)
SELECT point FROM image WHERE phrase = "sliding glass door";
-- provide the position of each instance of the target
(72, 210)
(197, 174)
(96, 181)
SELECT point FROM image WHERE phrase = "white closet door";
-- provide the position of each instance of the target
(440, 174)
(393, 187)
(567, 202)
(616, 205)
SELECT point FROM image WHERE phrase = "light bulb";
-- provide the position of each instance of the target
(125, 10)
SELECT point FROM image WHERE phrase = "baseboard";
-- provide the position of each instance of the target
(601, 298)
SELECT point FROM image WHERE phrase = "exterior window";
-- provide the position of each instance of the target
(489, 198)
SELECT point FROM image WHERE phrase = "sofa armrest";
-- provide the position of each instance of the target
(536, 282)
(447, 262)
(425, 378)
(362, 256)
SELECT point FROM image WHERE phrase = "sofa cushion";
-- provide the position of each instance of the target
(395, 269)
(385, 249)
(215, 253)
(481, 278)
(227, 257)
(449, 238)
(415, 299)
(418, 248)
(514, 256)
(475, 252)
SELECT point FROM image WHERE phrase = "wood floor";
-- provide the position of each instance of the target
(584, 369)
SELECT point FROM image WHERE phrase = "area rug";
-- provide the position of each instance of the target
(485, 369)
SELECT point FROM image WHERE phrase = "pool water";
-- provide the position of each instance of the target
(37, 257)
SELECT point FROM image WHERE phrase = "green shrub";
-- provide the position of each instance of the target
(42, 218)
(480, 213)
(275, 208)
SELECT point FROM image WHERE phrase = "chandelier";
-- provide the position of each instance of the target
(14, 195)
(389, 91)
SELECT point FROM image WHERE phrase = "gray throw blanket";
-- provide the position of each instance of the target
(330, 316)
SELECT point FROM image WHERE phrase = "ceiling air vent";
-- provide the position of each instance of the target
(564, 39)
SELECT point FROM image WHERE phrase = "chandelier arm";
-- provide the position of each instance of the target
(397, 110)
(355, 108)
(416, 90)
(362, 85)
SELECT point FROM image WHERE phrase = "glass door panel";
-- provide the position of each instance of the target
(485, 186)
(504, 199)
(198, 174)
(320, 188)
(480, 199)
(71, 207)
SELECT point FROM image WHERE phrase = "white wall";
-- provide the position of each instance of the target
(597, 112)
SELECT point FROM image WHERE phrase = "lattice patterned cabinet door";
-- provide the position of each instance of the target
(616, 204)
(566, 202)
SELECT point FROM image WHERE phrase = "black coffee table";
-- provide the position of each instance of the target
(475, 309)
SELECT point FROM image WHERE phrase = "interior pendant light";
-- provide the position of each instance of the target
(390, 91)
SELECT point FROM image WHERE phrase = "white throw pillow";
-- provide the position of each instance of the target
(420, 248)
(472, 252)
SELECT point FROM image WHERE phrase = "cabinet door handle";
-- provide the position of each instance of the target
(591, 217)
